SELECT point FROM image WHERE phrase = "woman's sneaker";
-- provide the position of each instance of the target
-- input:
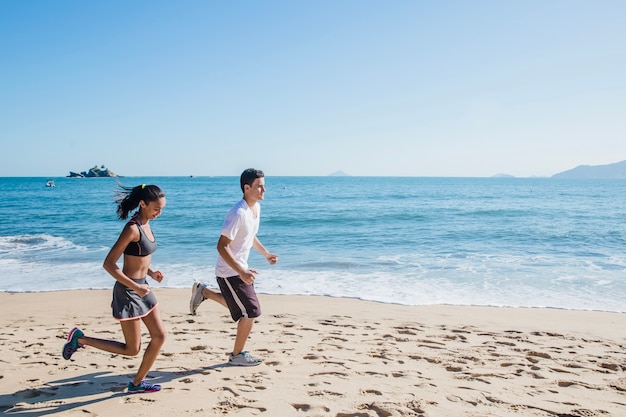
(72, 344)
(143, 387)
(196, 297)
(243, 359)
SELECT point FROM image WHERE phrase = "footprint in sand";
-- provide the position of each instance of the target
(324, 393)
(32, 393)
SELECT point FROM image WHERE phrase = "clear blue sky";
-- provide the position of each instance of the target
(407, 88)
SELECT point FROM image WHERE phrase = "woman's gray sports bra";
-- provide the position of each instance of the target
(143, 247)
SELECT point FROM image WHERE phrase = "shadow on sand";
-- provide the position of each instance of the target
(63, 395)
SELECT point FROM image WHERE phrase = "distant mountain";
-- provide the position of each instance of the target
(338, 174)
(616, 170)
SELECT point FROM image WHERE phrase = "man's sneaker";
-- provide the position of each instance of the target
(243, 359)
(143, 387)
(196, 297)
(72, 344)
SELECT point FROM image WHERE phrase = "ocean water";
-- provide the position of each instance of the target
(537, 242)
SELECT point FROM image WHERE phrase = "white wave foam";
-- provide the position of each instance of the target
(33, 243)
(22, 276)
(495, 283)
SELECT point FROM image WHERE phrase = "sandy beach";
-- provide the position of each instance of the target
(323, 357)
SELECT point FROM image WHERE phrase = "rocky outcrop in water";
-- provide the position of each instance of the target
(94, 172)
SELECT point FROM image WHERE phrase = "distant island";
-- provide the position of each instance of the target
(610, 171)
(338, 174)
(96, 171)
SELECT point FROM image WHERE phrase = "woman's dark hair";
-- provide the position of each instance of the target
(128, 198)
(249, 175)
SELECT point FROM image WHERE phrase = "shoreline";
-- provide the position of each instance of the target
(261, 294)
(324, 356)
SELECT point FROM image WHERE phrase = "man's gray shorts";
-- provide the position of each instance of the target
(240, 297)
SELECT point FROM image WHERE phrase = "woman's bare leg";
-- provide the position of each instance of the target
(132, 338)
(157, 339)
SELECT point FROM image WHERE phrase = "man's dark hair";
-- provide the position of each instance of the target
(249, 175)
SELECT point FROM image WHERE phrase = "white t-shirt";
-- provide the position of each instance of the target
(240, 226)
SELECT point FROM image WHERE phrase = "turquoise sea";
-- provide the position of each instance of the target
(537, 242)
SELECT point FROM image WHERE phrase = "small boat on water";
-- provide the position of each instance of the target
(50, 183)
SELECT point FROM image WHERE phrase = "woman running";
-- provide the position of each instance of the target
(133, 301)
